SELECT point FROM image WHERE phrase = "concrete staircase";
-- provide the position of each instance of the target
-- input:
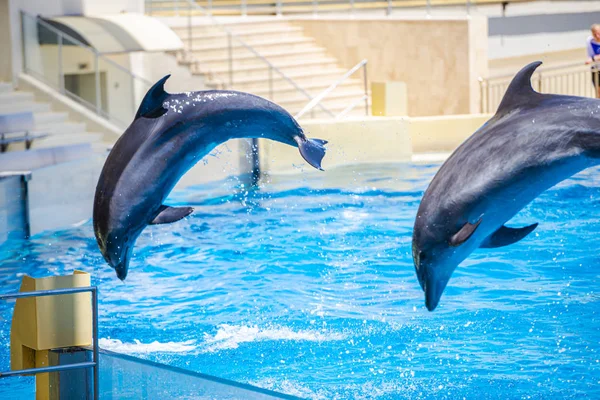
(283, 45)
(60, 130)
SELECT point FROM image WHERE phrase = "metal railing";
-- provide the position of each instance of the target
(365, 97)
(93, 364)
(191, 8)
(80, 72)
(314, 7)
(574, 79)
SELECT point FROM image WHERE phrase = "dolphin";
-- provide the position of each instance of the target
(533, 142)
(169, 135)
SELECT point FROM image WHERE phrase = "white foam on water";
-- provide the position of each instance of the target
(230, 336)
(138, 347)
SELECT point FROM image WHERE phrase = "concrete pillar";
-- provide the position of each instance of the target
(389, 99)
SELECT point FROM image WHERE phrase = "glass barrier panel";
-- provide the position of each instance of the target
(125, 377)
(40, 51)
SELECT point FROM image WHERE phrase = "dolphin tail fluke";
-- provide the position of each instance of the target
(152, 103)
(167, 214)
(313, 151)
(505, 236)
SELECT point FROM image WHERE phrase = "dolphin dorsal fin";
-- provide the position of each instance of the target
(152, 104)
(519, 92)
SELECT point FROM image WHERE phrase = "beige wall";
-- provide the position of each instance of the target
(361, 140)
(443, 134)
(439, 59)
(373, 140)
(5, 43)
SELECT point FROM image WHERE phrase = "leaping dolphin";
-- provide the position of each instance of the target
(533, 142)
(169, 135)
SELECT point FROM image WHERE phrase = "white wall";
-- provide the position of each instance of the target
(154, 66)
(54, 8)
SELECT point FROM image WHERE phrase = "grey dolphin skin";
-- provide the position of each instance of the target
(169, 135)
(533, 142)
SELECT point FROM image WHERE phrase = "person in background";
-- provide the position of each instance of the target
(593, 49)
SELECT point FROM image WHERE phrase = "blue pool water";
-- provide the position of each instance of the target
(307, 287)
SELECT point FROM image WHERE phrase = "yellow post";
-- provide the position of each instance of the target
(43, 323)
(389, 99)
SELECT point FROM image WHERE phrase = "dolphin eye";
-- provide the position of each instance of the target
(422, 256)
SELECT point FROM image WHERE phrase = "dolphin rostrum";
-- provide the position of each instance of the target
(169, 135)
(533, 142)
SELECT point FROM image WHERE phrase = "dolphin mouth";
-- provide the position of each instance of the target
(121, 270)
(121, 266)
(433, 288)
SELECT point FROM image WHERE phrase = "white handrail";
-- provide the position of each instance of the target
(314, 102)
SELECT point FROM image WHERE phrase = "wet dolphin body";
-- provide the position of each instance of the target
(170, 134)
(533, 142)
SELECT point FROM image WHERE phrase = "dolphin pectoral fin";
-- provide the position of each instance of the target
(505, 236)
(464, 233)
(312, 150)
(168, 214)
(152, 104)
(588, 142)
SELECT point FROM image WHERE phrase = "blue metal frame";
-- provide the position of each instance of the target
(93, 364)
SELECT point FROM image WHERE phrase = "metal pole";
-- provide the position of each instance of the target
(271, 83)
(189, 32)
(210, 8)
(97, 76)
(540, 82)
(95, 332)
(352, 6)
(315, 7)
(177, 8)
(230, 56)
(255, 162)
(244, 8)
(278, 7)
(481, 95)
(56, 368)
(428, 7)
(389, 8)
(25, 191)
(487, 96)
(366, 90)
(61, 76)
(468, 7)
(133, 97)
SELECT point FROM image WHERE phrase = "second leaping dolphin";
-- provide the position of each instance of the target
(169, 135)
(533, 142)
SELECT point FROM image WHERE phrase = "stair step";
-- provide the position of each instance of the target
(283, 65)
(304, 82)
(302, 100)
(334, 73)
(25, 106)
(67, 139)
(207, 36)
(8, 98)
(5, 87)
(269, 55)
(62, 128)
(234, 26)
(243, 52)
(313, 88)
(49, 117)
(236, 45)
